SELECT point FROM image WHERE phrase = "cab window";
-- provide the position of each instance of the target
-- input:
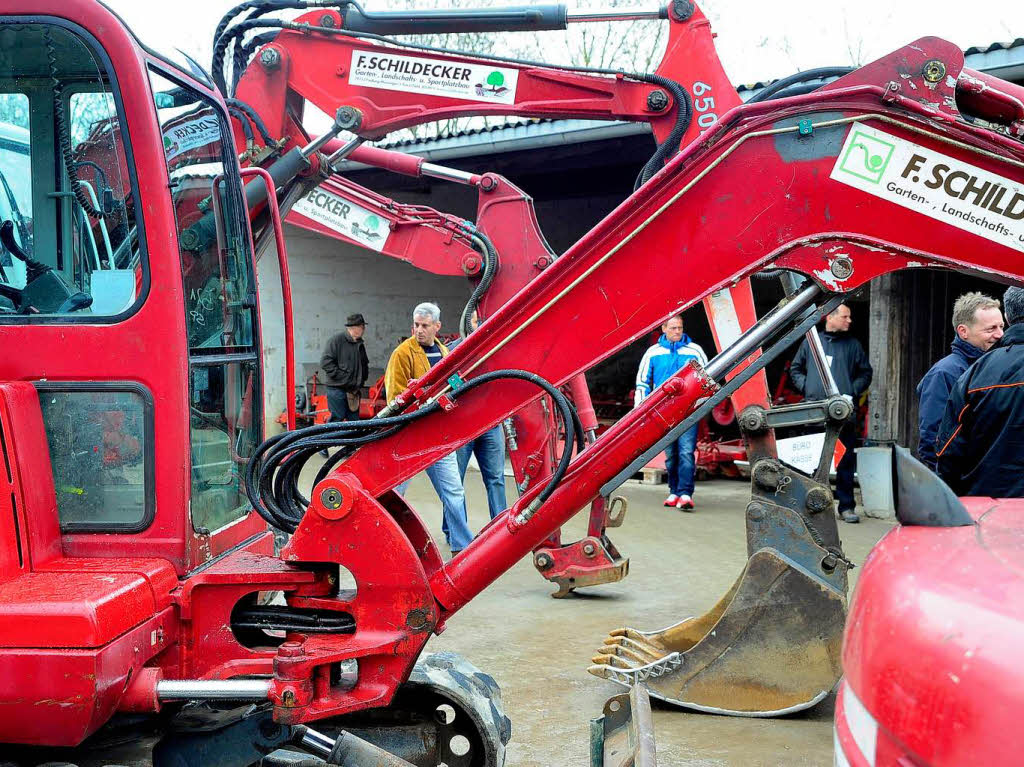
(225, 398)
(70, 244)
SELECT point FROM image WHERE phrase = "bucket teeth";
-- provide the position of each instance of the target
(640, 651)
(618, 669)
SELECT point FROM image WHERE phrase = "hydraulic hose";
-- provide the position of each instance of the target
(483, 244)
(670, 145)
(272, 475)
(63, 135)
(254, 117)
(772, 91)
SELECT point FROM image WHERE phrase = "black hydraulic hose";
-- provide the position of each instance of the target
(483, 244)
(254, 117)
(244, 121)
(63, 136)
(770, 91)
(684, 114)
(282, 509)
(259, 7)
(272, 475)
(569, 419)
(244, 52)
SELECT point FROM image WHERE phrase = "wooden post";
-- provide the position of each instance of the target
(889, 422)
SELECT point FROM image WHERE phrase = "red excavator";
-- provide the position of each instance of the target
(142, 603)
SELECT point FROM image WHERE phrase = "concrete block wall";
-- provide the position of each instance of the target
(331, 280)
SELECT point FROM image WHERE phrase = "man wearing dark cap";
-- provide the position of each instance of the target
(980, 449)
(346, 366)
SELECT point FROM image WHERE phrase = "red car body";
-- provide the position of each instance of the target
(932, 651)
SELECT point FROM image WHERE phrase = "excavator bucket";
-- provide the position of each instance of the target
(772, 644)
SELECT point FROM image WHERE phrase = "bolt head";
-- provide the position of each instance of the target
(842, 268)
(348, 118)
(934, 71)
(818, 500)
(270, 58)
(766, 474)
(839, 411)
(589, 549)
(331, 498)
(682, 9)
(327, 20)
(542, 561)
(657, 100)
(290, 649)
(416, 619)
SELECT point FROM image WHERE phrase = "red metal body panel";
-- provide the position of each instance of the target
(932, 645)
(67, 693)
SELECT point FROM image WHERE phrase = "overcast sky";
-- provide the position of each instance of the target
(756, 40)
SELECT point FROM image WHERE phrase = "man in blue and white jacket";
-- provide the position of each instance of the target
(673, 351)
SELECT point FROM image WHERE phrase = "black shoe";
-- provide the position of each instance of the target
(849, 515)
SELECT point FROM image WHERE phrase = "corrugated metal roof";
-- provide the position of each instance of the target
(1019, 42)
(1003, 59)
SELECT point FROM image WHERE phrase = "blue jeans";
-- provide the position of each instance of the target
(489, 448)
(444, 476)
(681, 463)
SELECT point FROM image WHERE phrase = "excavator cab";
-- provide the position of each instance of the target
(130, 386)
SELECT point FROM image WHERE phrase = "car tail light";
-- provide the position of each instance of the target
(858, 739)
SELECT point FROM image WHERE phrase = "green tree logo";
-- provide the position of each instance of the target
(372, 223)
(495, 80)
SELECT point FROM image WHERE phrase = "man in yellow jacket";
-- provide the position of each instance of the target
(410, 360)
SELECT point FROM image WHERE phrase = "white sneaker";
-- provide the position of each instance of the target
(685, 503)
(671, 500)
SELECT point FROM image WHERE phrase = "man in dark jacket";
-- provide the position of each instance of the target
(978, 324)
(852, 372)
(981, 439)
(346, 366)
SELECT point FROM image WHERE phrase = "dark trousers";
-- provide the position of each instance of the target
(337, 403)
(847, 466)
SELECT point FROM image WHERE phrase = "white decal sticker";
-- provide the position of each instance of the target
(933, 184)
(190, 134)
(345, 217)
(454, 79)
(724, 322)
(803, 452)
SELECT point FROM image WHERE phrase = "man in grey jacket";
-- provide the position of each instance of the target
(346, 366)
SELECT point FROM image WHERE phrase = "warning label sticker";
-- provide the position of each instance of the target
(190, 134)
(345, 217)
(933, 184)
(454, 79)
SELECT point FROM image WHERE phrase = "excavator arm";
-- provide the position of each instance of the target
(842, 185)
(338, 61)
